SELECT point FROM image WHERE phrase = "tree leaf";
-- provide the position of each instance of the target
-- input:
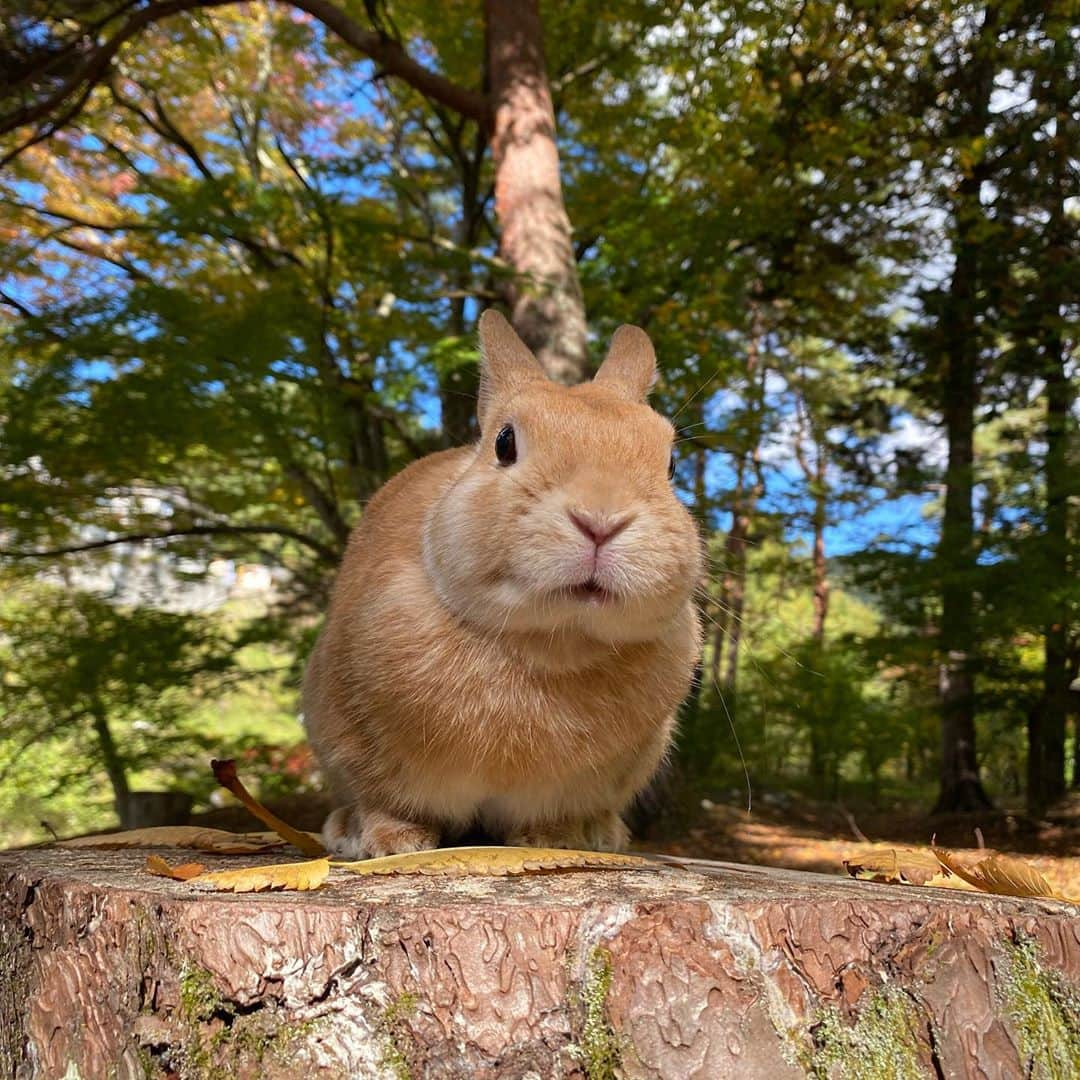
(495, 862)
(183, 836)
(1001, 875)
(156, 865)
(903, 866)
(301, 877)
(225, 774)
(944, 880)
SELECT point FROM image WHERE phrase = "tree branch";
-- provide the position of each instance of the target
(325, 553)
(395, 60)
(385, 51)
(90, 72)
(18, 305)
(319, 501)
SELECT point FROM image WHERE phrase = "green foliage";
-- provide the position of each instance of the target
(93, 693)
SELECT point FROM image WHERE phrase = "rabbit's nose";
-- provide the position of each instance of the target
(599, 527)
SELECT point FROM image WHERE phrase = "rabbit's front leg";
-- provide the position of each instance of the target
(357, 833)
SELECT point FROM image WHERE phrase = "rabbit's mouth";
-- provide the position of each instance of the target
(591, 592)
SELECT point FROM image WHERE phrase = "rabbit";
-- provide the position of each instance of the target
(512, 628)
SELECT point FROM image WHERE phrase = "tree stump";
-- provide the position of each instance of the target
(719, 971)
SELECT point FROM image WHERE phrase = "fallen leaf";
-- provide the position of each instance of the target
(944, 880)
(225, 774)
(896, 867)
(301, 877)
(184, 836)
(156, 865)
(495, 862)
(1001, 875)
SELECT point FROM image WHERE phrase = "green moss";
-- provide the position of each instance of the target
(395, 1036)
(598, 1049)
(1044, 1011)
(149, 1067)
(880, 1045)
(220, 1043)
(199, 1000)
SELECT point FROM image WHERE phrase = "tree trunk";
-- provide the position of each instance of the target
(114, 764)
(1054, 705)
(735, 577)
(689, 711)
(1060, 483)
(961, 788)
(821, 564)
(535, 240)
(816, 475)
(745, 508)
(1036, 760)
(1075, 704)
(714, 971)
(458, 389)
(722, 622)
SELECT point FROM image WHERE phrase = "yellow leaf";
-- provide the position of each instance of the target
(944, 880)
(495, 862)
(302, 877)
(156, 865)
(185, 836)
(1001, 875)
(895, 867)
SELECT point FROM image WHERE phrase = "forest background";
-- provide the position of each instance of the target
(244, 247)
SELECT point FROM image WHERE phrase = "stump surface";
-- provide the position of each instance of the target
(719, 971)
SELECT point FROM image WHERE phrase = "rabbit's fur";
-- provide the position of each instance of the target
(459, 680)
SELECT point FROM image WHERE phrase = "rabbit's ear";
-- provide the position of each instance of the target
(630, 365)
(505, 361)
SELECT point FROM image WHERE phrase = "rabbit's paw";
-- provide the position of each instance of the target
(353, 833)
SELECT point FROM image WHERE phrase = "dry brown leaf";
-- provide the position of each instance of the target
(944, 880)
(225, 774)
(301, 877)
(903, 866)
(495, 862)
(156, 865)
(1001, 875)
(216, 841)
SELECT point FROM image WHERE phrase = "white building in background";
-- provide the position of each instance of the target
(143, 575)
(148, 574)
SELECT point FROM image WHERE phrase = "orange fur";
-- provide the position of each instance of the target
(457, 680)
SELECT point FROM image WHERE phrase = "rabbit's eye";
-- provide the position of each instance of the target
(506, 446)
(671, 466)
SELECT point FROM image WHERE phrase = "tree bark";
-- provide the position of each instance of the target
(535, 240)
(960, 786)
(720, 970)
